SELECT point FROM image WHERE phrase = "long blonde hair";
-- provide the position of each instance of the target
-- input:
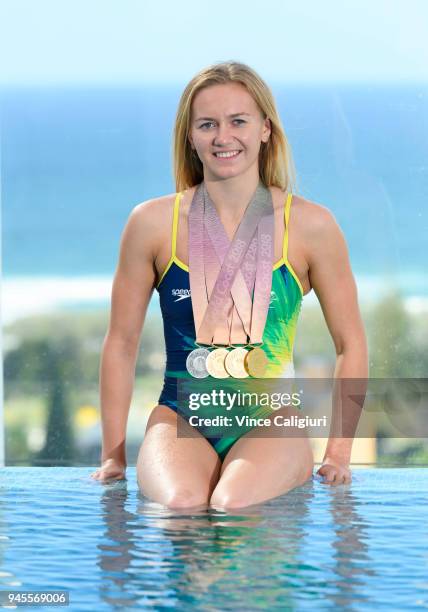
(276, 165)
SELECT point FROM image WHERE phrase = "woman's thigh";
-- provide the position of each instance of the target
(176, 471)
(259, 468)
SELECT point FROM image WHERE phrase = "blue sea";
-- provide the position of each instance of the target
(76, 160)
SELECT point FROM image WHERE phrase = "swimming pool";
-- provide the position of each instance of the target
(359, 546)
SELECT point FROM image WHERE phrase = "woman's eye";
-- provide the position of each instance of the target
(211, 122)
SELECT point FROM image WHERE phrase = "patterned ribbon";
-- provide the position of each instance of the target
(246, 264)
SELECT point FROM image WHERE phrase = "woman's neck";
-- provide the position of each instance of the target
(231, 196)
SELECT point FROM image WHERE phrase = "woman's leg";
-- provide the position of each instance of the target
(258, 469)
(178, 472)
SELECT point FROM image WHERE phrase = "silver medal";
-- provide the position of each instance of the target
(196, 363)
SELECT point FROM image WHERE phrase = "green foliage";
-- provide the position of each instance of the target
(57, 358)
(54, 359)
(73, 342)
(394, 349)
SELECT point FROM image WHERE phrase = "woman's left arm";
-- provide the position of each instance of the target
(332, 279)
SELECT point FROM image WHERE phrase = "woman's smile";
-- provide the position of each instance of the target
(227, 155)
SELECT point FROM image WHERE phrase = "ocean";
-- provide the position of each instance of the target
(75, 160)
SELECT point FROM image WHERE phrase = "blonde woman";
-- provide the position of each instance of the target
(229, 135)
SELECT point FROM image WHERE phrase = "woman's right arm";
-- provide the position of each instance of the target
(132, 288)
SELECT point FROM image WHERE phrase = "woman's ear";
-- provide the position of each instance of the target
(267, 129)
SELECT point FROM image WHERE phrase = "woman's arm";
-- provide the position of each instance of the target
(333, 282)
(131, 292)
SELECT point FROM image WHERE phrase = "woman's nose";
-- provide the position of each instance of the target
(223, 134)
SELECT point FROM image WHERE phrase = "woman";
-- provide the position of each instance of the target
(227, 134)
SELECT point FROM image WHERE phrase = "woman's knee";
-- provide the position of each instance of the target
(185, 498)
(225, 495)
(173, 498)
(227, 501)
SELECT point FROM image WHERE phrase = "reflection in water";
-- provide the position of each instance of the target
(350, 550)
(265, 556)
(116, 549)
(8, 580)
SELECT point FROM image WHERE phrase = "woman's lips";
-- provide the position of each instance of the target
(228, 158)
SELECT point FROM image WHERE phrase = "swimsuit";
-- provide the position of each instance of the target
(179, 327)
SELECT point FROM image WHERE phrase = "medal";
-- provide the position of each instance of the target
(215, 363)
(196, 362)
(230, 278)
(234, 362)
(256, 362)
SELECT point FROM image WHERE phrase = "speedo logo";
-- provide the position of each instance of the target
(180, 294)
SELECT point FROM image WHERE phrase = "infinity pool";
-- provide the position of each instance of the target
(362, 546)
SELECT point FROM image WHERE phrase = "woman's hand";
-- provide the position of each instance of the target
(334, 471)
(110, 469)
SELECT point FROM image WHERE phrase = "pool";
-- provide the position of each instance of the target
(361, 546)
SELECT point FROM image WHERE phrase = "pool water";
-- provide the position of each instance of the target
(361, 546)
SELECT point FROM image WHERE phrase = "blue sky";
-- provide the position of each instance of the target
(135, 41)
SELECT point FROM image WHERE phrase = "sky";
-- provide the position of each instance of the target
(143, 41)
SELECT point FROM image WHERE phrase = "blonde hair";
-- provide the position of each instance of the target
(276, 165)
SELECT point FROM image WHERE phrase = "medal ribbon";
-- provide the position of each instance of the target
(243, 284)
(211, 306)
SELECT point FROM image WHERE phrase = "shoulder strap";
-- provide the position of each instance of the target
(286, 218)
(175, 224)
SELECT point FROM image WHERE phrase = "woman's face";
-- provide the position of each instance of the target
(225, 118)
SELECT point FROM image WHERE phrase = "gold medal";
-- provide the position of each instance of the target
(215, 363)
(256, 362)
(234, 362)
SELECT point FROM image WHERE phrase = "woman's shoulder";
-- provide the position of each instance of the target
(156, 203)
(312, 217)
(147, 220)
(315, 226)
(304, 205)
(154, 209)
(311, 224)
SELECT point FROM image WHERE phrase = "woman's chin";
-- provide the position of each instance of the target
(223, 172)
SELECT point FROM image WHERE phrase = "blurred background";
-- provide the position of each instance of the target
(88, 95)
